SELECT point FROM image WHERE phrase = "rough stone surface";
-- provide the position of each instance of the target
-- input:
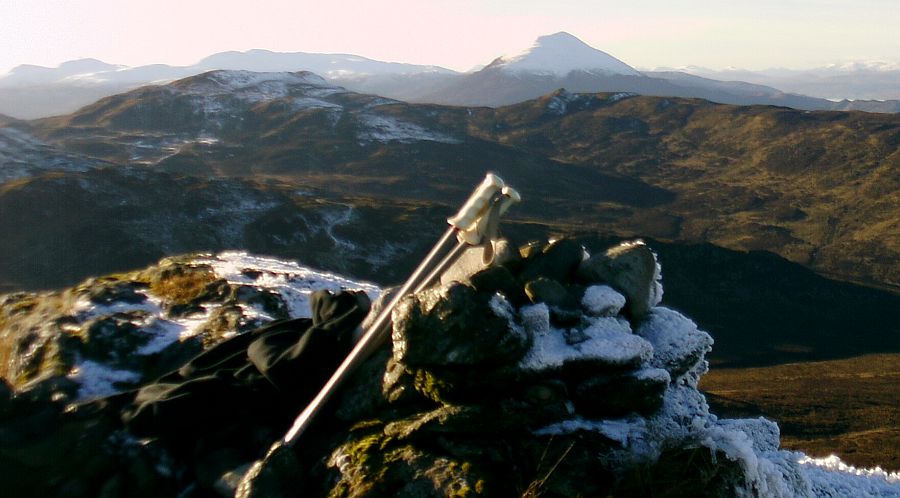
(498, 279)
(605, 396)
(539, 376)
(453, 325)
(544, 290)
(631, 269)
(556, 261)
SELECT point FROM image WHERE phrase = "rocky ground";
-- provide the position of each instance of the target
(553, 373)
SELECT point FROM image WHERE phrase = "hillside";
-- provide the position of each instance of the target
(804, 185)
(289, 165)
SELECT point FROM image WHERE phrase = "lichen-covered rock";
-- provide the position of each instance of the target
(454, 325)
(374, 465)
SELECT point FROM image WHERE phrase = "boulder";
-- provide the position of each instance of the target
(631, 269)
(678, 345)
(556, 261)
(476, 258)
(455, 325)
(602, 300)
(500, 279)
(551, 292)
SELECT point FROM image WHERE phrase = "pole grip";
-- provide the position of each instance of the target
(510, 196)
(478, 201)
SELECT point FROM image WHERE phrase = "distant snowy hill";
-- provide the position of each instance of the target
(563, 61)
(561, 53)
(554, 61)
(29, 92)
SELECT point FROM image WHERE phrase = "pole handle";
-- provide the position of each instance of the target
(476, 204)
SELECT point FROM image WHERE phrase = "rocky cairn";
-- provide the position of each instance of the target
(551, 373)
(524, 379)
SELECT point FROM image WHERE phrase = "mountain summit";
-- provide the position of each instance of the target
(561, 53)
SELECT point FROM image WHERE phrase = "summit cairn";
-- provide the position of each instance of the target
(555, 373)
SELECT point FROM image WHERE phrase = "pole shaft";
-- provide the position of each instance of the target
(365, 346)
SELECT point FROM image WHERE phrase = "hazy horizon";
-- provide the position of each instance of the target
(791, 34)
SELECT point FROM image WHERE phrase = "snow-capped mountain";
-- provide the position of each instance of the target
(561, 53)
(29, 91)
(554, 61)
(332, 66)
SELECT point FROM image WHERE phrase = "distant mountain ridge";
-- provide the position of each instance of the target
(869, 80)
(554, 61)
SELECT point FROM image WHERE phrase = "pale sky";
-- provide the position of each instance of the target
(457, 34)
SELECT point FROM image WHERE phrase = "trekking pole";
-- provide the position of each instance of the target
(466, 226)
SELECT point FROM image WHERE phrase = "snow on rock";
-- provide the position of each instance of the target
(621, 96)
(536, 319)
(251, 86)
(217, 92)
(97, 380)
(764, 434)
(146, 313)
(677, 342)
(684, 419)
(295, 283)
(830, 477)
(606, 339)
(602, 300)
(671, 351)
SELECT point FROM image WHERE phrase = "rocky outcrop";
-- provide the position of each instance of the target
(552, 373)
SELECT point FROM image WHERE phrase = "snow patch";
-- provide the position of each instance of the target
(386, 128)
(295, 283)
(22, 155)
(621, 96)
(98, 380)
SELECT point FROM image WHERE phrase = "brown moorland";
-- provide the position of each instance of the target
(848, 407)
